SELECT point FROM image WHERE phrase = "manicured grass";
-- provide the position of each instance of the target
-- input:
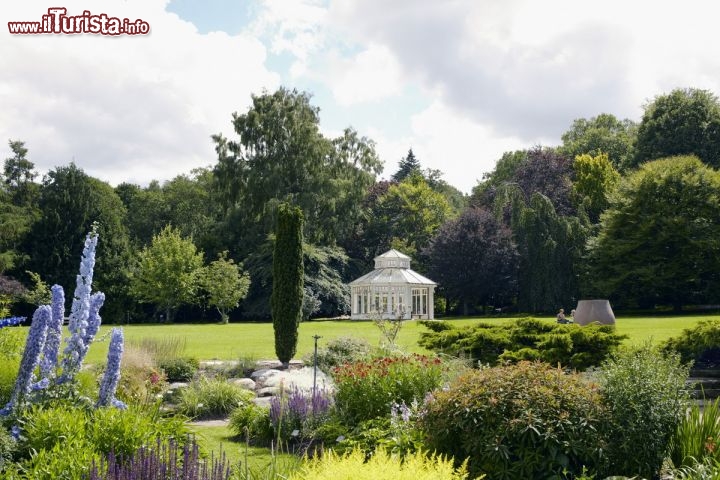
(219, 438)
(256, 341)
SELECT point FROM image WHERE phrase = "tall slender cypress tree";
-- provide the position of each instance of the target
(288, 271)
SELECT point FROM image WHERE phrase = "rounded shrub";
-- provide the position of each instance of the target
(180, 369)
(699, 344)
(212, 398)
(339, 351)
(528, 420)
(124, 432)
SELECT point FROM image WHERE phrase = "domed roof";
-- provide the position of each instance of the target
(392, 268)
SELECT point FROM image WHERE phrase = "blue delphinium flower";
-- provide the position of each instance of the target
(31, 356)
(49, 359)
(76, 348)
(110, 379)
(11, 321)
(15, 432)
(94, 319)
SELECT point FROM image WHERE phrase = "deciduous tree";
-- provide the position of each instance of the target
(658, 243)
(595, 179)
(167, 272)
(602, 134)
(474, 260)
(224, 285)
(683, 122)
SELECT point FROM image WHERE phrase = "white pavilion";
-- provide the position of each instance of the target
(392, 290)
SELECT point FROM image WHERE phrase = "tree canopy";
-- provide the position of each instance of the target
(602, 134)
(683, 122)
(167, 272)
(474, 260)
(659, 242)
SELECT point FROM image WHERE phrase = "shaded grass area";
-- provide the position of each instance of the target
(256, 340)
(220, 438)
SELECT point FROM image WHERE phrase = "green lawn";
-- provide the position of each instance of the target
(255, 340)
(219, 438)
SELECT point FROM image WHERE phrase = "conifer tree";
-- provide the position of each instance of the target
(407, 167)
(288, 271)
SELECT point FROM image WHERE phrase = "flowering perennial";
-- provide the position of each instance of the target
(30, 358)
(12, 321)
(51, 349)
(76, 348)
(110, 379)
(94, 319)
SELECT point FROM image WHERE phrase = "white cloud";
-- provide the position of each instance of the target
(444, 140)
(126, 108)
(529, 68)
(368, 76)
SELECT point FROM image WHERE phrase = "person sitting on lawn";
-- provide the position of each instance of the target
(561, 317)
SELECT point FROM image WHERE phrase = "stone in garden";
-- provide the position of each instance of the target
(589, 311)
(246, 383)
(267, 364)
(268, 391)
(262, 401)
(301, 378)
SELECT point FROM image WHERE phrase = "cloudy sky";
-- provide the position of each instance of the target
(459, 81)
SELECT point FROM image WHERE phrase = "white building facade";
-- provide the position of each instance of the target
(392, 290)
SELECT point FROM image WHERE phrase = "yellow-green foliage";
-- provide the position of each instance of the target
(381, 466)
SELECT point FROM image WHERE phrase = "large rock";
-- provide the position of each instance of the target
(301, 378)
(246, 383)
(589, 311)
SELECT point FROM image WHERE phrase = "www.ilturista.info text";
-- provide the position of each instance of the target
(56, 21)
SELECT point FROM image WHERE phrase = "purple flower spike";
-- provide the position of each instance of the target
(110, 379)
(77, 347)
(94, 319)
(31, 355)
(54, 333)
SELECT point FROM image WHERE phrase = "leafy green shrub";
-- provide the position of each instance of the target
(7, 447)
(339, 351)
(381, 466)
(696, 438)
(67, 460)
(42, 428)
(528, 420)
(212, 398)
(180, 369)
(398, 435)
(527, 339)
(123, 432)
(646, 395)
(366, 390)
(252, 422)
(699, 344)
